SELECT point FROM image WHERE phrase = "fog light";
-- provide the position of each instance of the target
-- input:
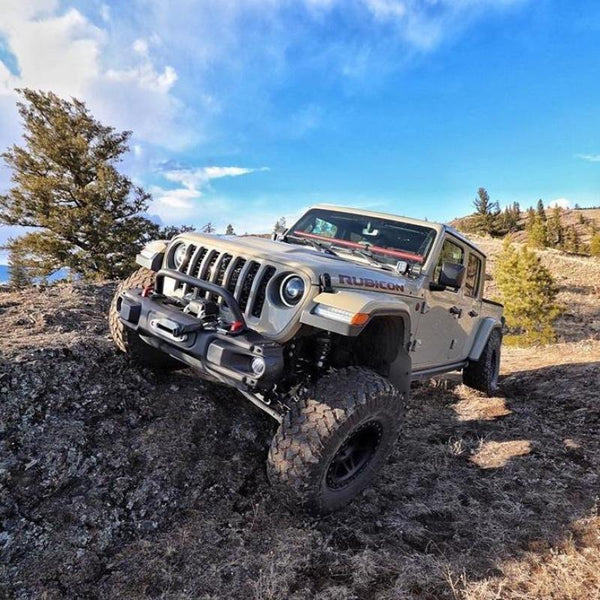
(258, 366)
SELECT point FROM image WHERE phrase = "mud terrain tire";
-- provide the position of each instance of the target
(482, 375)
(129, 341)
(331, 444)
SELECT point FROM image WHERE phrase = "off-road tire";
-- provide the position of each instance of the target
(482, 374)
(129, 341)
(307, 451)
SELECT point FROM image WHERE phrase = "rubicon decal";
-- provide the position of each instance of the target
(374, 284)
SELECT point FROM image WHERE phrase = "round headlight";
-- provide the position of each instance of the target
(179, 255)
(292, 290)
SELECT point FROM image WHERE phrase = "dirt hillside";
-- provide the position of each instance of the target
(116, 484)
(584, 220)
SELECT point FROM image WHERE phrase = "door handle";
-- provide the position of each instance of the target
(473, 313)
(454, 310)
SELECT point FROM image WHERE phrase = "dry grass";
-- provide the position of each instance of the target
(161, 491)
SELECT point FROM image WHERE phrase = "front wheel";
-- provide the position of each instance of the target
(483, 374)
(129, 341)
(332, 443)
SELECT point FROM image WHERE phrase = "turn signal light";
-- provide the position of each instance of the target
(359, 319)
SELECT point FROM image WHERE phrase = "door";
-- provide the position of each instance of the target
(472, 292)
(440, 337)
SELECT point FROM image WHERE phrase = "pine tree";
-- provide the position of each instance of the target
(170, 231)
(572, 242)
(208, 228)
(17, 270)
(229, 230)
(530, 219)
(509, 220)
(537, 233)
(529, 294)
(485, 219)
(555, 228)
(87, 215)
(280, 225)
(595, 245)
(541, 212)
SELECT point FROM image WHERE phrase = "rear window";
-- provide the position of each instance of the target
(473, 276)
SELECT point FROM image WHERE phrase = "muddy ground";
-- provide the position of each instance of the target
(117, 484)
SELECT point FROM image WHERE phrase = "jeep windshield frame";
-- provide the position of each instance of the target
(389, 239)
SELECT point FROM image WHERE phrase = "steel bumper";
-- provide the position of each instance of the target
(243, 359)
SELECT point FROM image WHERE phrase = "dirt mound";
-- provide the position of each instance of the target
(116, 484)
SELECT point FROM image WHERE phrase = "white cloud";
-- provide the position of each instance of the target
(66, 53)
(105, 13)
(140, 47)
(562, 202)
(181, 204)
(386, 9)
(589, 157)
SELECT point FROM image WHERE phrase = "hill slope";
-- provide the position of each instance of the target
(569, 217)
(117, 484)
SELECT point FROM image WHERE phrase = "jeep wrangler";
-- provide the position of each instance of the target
(324, 327)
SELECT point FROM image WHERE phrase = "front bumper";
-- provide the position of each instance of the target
(243, 360)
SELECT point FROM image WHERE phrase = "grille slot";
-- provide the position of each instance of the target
(261, 292)
(246, 280)
(235, 275)
(197, 262)
(247, 285)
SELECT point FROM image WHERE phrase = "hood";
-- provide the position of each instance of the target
(344, 272)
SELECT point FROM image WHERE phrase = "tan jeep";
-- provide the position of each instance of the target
(323, 327)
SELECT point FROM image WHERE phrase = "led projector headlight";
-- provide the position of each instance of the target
(291, 290)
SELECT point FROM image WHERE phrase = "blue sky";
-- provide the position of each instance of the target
(247, 110)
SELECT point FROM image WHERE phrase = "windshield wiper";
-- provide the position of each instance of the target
(374, 260)
(325, 248)
(321, 246)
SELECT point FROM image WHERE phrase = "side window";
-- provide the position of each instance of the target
(452, 253)
(473, 276)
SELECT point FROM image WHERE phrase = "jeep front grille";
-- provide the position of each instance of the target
(246, 279)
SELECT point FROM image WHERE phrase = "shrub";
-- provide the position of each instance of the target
(529, 295)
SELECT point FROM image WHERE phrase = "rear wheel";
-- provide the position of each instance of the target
(129, 341)
(332, 443)
(483, 374)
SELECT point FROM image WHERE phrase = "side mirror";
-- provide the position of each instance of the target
(276, 237)
(451, 275)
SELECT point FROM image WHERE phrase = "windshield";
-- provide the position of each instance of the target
(389, 241)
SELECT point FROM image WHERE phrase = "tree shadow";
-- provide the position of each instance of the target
(476, 482)
(167, 494)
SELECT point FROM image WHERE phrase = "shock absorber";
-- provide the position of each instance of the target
(323, 350)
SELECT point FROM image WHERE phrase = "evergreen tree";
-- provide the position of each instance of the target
(595, 245)
(572, 242)
(529, 294)
(208, 228)
(530, 219)
(88, 216)
(555, 228)
(170, 231)
(485, 219)
(537, 233)
(17, 270)
(280, 225)
(541, 212)
(229, 230)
